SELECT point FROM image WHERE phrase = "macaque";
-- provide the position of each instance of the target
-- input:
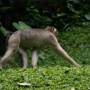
(35, 39)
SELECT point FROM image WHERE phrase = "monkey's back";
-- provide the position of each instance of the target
(33, 38)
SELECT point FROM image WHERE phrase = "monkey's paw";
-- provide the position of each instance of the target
(77, 65)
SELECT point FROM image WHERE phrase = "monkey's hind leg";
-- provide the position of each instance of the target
(24, 57)
(34, 59)
(13, 44)
(6, 56)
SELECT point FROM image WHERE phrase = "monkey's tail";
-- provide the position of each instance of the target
(5, 32)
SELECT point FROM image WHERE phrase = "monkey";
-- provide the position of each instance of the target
(34, 38)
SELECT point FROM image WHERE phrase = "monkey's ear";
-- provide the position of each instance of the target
(53, 30)
(49, 28)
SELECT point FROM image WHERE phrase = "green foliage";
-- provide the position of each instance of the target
(46, 78)
(77, 36)
(3, 31)
(40, 13)
(53, 72)
(58, 13)
(21, 25)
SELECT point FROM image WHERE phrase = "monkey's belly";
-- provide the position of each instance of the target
(33, 44)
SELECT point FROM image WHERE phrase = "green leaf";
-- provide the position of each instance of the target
(3, 30)
(16, 25)
(21, 25)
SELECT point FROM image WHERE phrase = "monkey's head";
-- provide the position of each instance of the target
(52, 30)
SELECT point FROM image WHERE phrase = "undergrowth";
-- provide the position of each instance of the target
(54, 72)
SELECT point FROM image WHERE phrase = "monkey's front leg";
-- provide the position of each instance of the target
(55, 44)
(34, 59)
(65, 54)
(24, 57)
